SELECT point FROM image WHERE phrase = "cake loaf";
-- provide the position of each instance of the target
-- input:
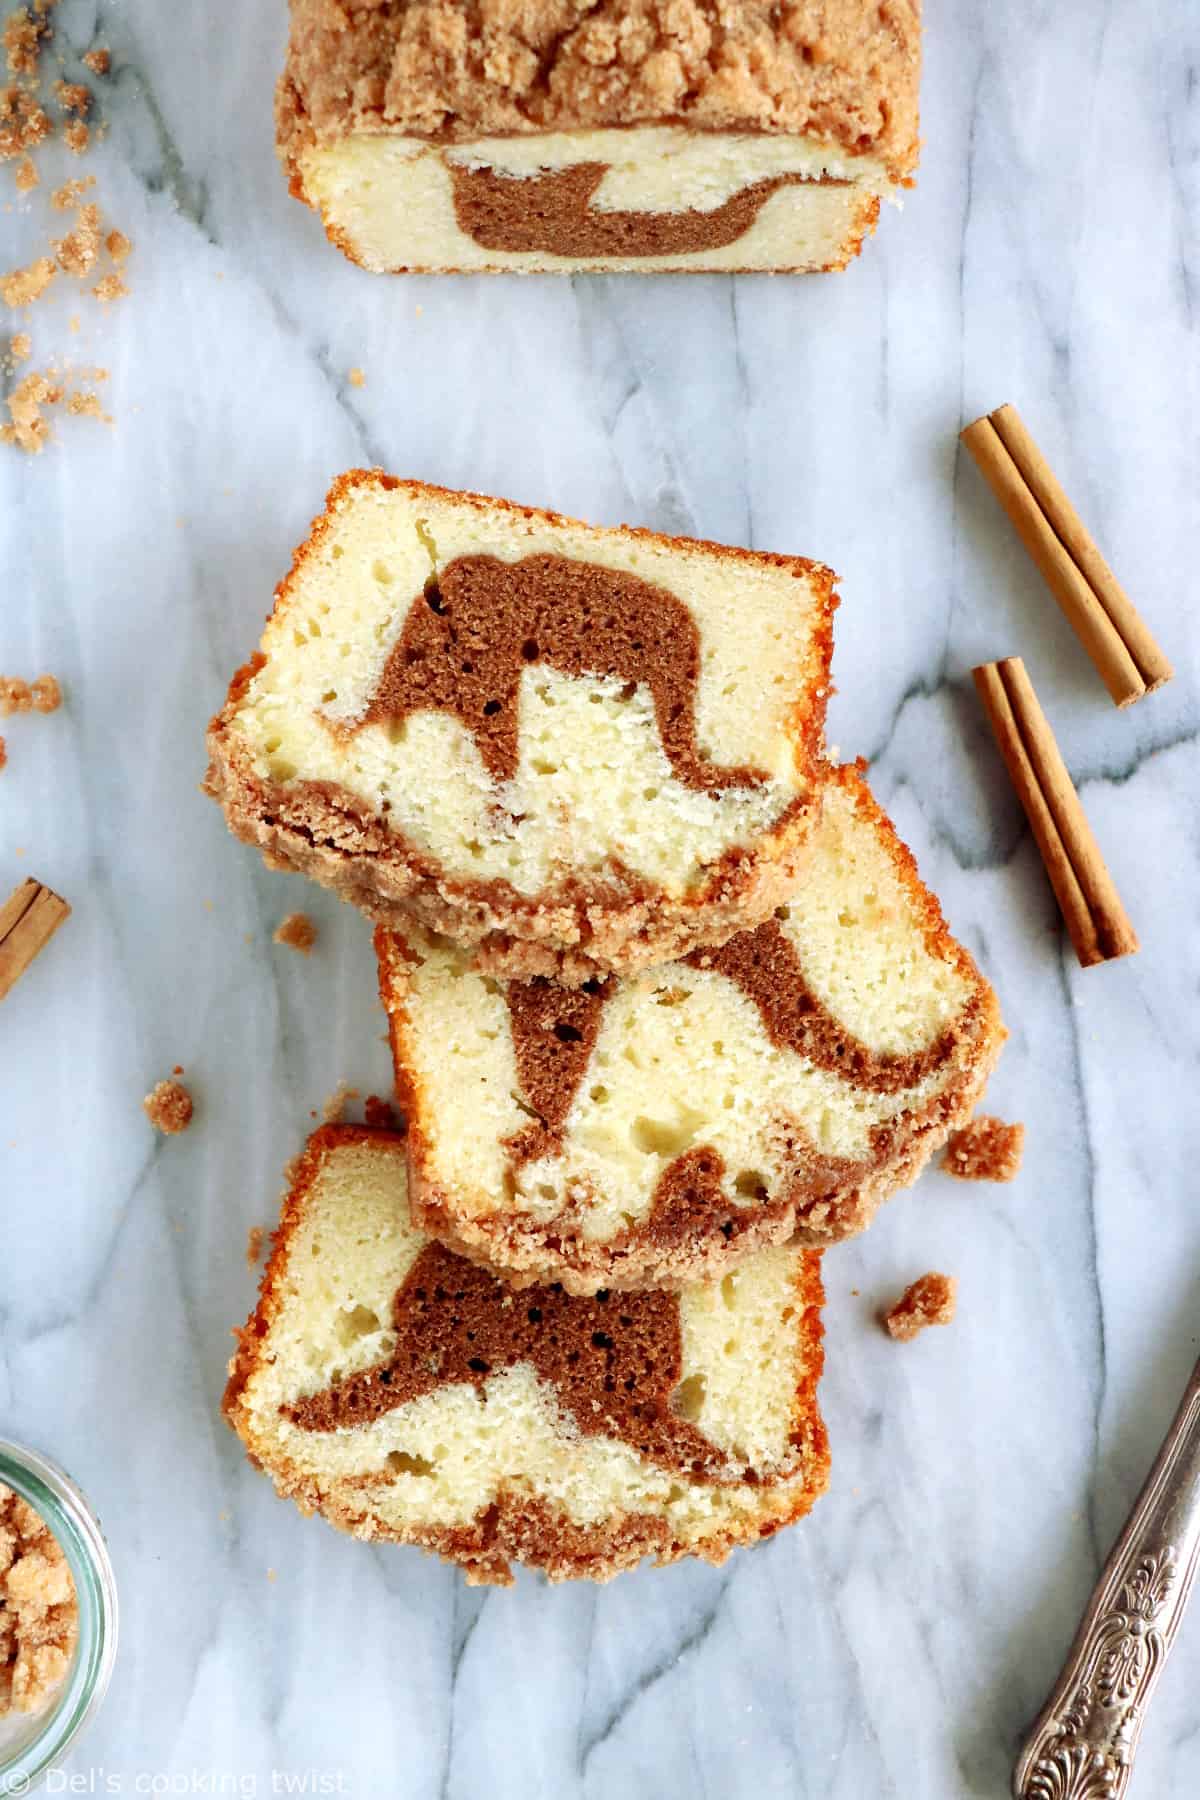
(657, 1128)
(406, 1394)
(624, 135)
(565, 747)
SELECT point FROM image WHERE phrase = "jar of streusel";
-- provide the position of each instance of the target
(58, 1616)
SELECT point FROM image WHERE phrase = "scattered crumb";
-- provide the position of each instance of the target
(254, 1244)
(110, 287)
(169, 1107)
(29, 428)
(334, 1109)
(67, 197)
(20, 346)
(271, 1576)
(46, 694)
(986, 1149)
(357, 378)
(26, 175)
(3, 753)
(15, 695)
(73, 97)
(380, 1114)
(39, 1615)
(298, 932)
(929, 1301)
(23, 286)
(23, 36)
(76, 253)
(117, 245)
(854, 1293)
(99, 61)
(24, 124)
(76, 137)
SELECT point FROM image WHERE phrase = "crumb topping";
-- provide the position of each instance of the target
(297, 931)
(836, 69)
(986, 1149)
(357, 378)
(254, 1244)
(929, 1301)
(39, 1615)
(23, 286)
(99, 61)
(169, 1107)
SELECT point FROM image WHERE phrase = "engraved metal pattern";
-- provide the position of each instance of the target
(1083, 1743)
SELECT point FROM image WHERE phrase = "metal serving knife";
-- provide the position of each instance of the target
(1082, 1745)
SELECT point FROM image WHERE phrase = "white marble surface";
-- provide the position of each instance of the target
(895, 1644)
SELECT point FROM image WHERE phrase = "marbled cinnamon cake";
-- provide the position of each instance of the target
(406, 1394)
(638, 135)
(568, 748)
(658, 1128)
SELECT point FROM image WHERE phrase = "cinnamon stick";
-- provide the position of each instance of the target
(28, 920)
(1098, 924)
(1104, 619)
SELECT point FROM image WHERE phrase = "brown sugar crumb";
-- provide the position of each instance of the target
(23, 36)
(986, 1149)
(39, 1615)
(24, 124)
(76, 253)
(254, 1244)
(380, 1115)
(99, 61)
(23, 286)
(27, 175)
(46, 694)
(67, 197)
(357, 378)
(73, 97)
(20, 346)
(117, 245)
(76, 137)
(169, 1107)
(929, 1301)
(110, 287)
(16, 696)
(298, 932)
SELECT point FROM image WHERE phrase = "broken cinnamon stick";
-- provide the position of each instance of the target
(1097, 922)
(1104, 619)
(28, 920)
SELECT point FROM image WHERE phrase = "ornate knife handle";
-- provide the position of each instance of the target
(1083, 1743)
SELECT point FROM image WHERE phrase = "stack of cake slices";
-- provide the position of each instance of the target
(670, 1012)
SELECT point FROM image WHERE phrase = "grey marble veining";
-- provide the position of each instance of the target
(897, 1642)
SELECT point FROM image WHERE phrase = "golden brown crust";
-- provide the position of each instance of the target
(611, 922)
(842, 72)
(518, 1528)
(825, 1200)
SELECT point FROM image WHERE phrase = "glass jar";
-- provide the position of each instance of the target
(31, 1743)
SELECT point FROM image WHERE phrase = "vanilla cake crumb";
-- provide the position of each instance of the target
(39, 1615)
(986, 1149)
(930, 1300)
(298, 932)
(169, 1107)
